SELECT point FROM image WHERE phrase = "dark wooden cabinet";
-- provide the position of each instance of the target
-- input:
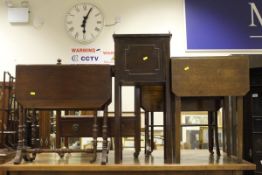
(253, 119)
(142, 59)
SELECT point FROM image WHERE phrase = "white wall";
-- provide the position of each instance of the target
(28, 44)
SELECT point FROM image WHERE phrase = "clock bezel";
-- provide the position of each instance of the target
(66, 26)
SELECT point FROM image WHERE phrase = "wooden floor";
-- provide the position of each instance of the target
(192, 162)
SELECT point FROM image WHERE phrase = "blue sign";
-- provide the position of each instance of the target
(223, 24)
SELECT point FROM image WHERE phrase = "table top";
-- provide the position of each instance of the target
(210, 76)
(63, 86)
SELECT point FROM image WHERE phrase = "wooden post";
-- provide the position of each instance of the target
(228, 116)
(118, 137)
(137, 122)
(177, 129)
(210, 132)
(58, 137)
(239, 130)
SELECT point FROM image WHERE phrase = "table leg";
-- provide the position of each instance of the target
(168, 155)
(95, 131)
(33, 125)
(137, 122)
(216, 133)
(105, 148)
(147, 152)
(224, 114)
(58, 135)
(152, 132)
(18, 157)
(228, 111)
(234, 126)
(210, 132)
(118, 136)
(177, 130)
(239, 128)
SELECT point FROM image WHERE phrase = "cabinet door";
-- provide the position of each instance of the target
(257, 124)
(257, 102)
(141, 58)
(257, 143)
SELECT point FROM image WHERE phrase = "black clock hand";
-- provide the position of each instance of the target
(85, 19)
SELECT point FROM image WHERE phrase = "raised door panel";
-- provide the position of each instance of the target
(142, 57)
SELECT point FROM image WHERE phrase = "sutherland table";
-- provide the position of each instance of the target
(142, 59)
(212, 77)
(152, 101)
(62, 87)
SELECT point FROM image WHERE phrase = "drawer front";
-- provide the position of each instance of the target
(141, 59)
(257, 124)
(258, 161)
(256, 74)
(257, 143)
(76, 127)
(257, 103)
(83, 127)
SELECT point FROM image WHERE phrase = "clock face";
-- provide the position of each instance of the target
(84, 22)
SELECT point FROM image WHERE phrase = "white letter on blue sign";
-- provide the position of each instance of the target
(255, 11)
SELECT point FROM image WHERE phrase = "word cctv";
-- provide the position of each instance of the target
(76, 58)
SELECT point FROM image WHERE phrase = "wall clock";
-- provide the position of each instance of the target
(84, 22)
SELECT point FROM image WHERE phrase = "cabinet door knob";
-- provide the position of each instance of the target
(145, 58)
(75, 127)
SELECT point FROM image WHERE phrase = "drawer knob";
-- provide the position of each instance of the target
(186, 68)
(32, 93)
(75, 127)
(145, 58)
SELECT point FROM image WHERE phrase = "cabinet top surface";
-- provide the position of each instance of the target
(219, 76)
(63, 86)
(142, 35)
